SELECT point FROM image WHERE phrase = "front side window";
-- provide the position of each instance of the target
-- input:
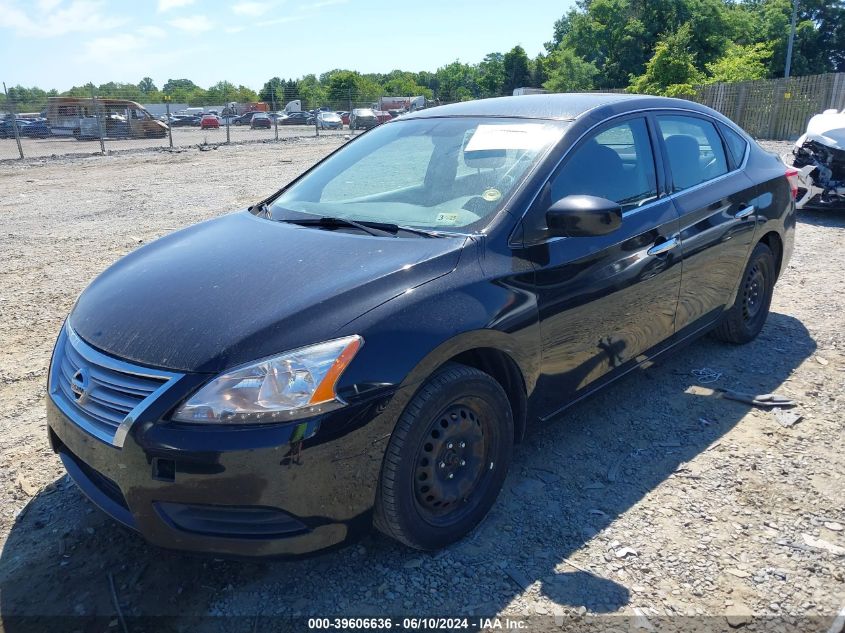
(617, 164)
(433, 173)
(694, 150)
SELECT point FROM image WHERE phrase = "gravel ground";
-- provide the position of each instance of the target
(653, 501)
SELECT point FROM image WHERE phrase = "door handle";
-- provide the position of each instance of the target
(663, 247)
(745, 211)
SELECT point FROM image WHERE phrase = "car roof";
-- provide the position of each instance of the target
(563, 107)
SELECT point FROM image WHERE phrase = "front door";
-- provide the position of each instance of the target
(605, 301)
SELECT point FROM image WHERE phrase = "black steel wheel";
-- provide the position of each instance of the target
(446, 459)
(452, 461)
(744, 320)
(753, 292)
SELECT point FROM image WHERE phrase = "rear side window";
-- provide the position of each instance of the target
(616, 164)
(694, 150)
(737, 145)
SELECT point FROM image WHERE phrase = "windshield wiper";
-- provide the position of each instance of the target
(362, 225)
(422, 232)
(261, 208)
(331, 222)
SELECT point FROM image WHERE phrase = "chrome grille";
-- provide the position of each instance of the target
(101, 394)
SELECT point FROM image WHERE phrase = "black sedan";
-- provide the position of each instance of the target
(363, 118)
(7, 127)
(243, 119)
(260, 120)
(36, 129)
(366, 345)
(297, 118)
(186, 121)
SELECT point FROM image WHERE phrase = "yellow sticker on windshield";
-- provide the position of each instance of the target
(491, 195)
(447, 218)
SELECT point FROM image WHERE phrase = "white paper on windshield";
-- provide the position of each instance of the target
(516, 136)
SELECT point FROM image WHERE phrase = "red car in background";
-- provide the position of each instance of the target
(382, 116)
(209, 121)
(344, 117)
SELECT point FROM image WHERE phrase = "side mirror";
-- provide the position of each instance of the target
(583, 216)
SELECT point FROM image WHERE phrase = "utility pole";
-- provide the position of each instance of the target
(228, 120)
(791, 39)
(169, 126)
(99, 122)
(275, 114)
(14, 122)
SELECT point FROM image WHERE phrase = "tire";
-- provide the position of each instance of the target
(446, 460)
(744, 320)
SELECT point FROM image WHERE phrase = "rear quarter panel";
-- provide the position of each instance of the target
(775, 207)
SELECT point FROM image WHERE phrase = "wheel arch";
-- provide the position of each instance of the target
(773, 240)
(496, 354)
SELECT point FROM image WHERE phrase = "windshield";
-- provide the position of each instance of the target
(434, 173)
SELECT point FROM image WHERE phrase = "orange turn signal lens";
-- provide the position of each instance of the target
(325, 391)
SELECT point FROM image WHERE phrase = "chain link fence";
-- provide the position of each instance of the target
(84, 125)
(776, 109)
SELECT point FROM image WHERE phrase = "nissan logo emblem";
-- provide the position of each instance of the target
(79, 385)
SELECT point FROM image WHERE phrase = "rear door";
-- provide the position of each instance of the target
(716, 204)
(605, 301)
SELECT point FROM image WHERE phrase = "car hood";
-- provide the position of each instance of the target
(238, 288)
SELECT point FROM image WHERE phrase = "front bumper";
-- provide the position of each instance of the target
(288, 489)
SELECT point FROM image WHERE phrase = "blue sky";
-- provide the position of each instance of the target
(60, 43)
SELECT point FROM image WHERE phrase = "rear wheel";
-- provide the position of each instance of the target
(446, 460)
(743, 322)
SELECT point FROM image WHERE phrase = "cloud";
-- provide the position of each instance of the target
(167, 5)
(56, 19)
(48, 5)
(192, 23)
(234, 29)
(252, 9)
(324, 3)
(112, 46)
(152, 32)
(118, 45)
(283, 20)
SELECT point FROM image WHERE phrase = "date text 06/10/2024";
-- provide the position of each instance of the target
(417, 624)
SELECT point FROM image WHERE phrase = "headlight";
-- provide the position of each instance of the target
(285, 387)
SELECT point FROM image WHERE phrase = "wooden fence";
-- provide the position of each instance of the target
(775, 108)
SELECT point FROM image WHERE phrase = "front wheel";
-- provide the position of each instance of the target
(446, 460)
(744, 320)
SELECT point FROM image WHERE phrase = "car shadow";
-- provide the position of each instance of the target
(65, 565)
(828, 218)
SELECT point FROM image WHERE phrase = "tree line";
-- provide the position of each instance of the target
(647, 46)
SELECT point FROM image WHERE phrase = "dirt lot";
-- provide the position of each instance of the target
(653, 502)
